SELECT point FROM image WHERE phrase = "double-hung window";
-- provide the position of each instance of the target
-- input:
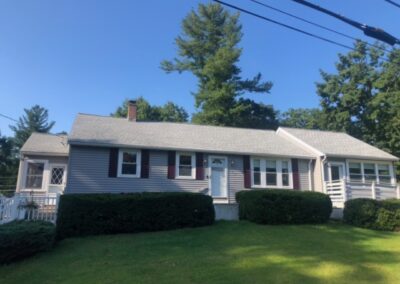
(271, 173)
(355, 172)
(34, 174)
(384, 173)
(185, 165)
(129, 163)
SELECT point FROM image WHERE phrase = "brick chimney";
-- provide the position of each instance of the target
(132, 110)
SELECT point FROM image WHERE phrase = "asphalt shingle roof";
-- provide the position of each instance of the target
(338, 144)
(106, 131)
(46, 144)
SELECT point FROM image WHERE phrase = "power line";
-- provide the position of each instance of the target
(10, 118)
(376, 33)
(315, 24)
(284, 25)
(393, 3)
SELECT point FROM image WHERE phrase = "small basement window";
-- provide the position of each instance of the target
(129, 163)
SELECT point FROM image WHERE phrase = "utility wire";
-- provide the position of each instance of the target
(10, 118)
(393, 3)
(368, 30)
(316, 24)
(284, 25)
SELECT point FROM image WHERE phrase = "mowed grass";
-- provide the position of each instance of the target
(227, 252)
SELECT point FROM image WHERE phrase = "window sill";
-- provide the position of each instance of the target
(128, 176)
(271, 187)
(32, 190)
(184, 177)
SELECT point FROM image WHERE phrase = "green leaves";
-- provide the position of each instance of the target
(146, 112)
(208, 48)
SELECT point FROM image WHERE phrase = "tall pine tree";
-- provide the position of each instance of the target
(35, 119)
(208, 48)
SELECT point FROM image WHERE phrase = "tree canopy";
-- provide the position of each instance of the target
(302, 118)
(146, 112)
(35, 119)
(208, 48)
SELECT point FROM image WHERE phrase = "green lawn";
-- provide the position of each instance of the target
(228, 252)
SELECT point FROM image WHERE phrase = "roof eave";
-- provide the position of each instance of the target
(394, 158)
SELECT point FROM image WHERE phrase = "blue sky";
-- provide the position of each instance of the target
(87, 56)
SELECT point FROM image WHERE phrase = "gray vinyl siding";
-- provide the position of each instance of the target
(89, 174)
(304, 175)
(235, 176)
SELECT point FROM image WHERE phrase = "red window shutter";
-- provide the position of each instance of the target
(171, 164)
(145, 164)
(113, 163)
(295, 174)
(246, 171)
(199, 166)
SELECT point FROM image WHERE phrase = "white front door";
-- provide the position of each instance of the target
(336, 172)
(218, 176)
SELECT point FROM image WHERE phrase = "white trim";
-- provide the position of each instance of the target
(193, 164)
(298, 140)
(218, 199)
(45, 177)
(278, 172)
(333, 163)
(138, 162)
(310, 178)
(376, 163)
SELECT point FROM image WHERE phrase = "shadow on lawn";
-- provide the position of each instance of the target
(309, 254)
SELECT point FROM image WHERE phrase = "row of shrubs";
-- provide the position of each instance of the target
(284, 206)
(373, 214)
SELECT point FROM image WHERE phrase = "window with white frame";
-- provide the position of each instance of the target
(185, 165)
(57, 175)
(34, 175)
(370, 172)
(384, 173)
(129, 163)
(355, 172)
(270, 173)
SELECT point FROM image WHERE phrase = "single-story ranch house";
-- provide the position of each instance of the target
(118, 155)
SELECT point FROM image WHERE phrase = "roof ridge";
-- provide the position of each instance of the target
(315, 130)
(180, 123)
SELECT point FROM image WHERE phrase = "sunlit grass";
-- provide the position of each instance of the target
(228, 252)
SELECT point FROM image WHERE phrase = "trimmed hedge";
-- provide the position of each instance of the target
(93, 214)
(21, 239)
(373, 214)
(279, 206)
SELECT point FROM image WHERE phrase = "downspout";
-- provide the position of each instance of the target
(310, 183)
(323, 172)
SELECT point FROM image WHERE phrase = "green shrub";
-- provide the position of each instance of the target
(92, 214)
(21, 239)
(280, 206)
(360, 212)
(373, 214)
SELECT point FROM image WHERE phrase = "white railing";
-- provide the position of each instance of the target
(26, 207)
(341, 190)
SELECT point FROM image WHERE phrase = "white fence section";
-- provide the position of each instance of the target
(341, 190)
(26, 207)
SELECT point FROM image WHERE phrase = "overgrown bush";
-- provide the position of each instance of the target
(92, 214)
(280, 206)
(21, 239)
(373, 214)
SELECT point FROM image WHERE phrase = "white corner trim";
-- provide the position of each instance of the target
(283, 133)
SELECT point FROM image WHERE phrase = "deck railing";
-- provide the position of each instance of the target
(29, 207)
(341, 190)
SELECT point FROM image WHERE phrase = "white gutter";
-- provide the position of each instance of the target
(323, 172)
